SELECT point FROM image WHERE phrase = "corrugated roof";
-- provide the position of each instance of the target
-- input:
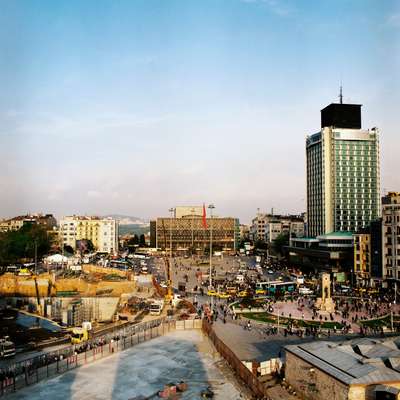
(345, 364)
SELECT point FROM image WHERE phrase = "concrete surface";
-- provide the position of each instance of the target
(255, 345)
(142, 371)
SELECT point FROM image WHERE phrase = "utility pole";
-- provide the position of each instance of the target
(278, 322)
(192, 210)
(211, 207)
(35, 256)
(171, 210)
(391, 319)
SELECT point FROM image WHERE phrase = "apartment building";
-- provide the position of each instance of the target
(391, 236)
(102, 232)
(362, 257)
(284, 225)
(14, 224)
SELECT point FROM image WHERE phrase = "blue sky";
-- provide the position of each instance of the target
(136, 106)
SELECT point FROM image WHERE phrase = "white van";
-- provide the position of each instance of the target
(239, 278)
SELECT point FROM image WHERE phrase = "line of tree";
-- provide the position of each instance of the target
(19, 246)
(137, 241)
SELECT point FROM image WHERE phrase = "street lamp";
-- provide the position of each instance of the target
(171, 210)
(192, 211)
(211, 207)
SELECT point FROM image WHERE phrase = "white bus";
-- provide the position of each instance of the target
(297, 278)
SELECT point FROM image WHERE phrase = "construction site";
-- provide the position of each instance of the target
(39, 310)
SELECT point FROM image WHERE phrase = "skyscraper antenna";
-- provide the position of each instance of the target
(341, 95)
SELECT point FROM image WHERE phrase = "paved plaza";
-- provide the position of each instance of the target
(143, 370)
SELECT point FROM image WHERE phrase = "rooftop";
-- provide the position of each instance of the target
(359, 361)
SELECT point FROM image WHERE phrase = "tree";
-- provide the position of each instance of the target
(68, 249)
(90, 246)
(16, 246)
(133, 241)
(281, 241)
(142, 240)
(260, 244)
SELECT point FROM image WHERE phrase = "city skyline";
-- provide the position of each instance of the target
(134, 108)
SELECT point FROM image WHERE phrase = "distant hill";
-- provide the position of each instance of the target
(128, 220)
(133, 229)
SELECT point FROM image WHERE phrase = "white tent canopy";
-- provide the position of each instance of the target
(56, 259)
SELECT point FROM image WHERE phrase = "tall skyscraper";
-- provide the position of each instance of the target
(343, 174)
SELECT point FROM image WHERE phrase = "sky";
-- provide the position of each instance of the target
(133, 107)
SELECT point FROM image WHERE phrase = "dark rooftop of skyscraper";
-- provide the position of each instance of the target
(341, 115)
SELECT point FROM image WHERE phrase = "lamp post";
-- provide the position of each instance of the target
(192, 210)
(211, 207)
(171, 210)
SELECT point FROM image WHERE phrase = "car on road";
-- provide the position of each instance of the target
(261, 291)
(223, 295)
(212, 293)
(243, 293)
(231, 290)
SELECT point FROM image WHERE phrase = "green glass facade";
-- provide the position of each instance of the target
(343, 186)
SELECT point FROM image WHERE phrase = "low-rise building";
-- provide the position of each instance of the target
(360, 369)
(267, 227)
(332, 252)
(14, 224)
(187, 233)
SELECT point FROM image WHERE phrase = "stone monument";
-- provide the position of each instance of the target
(325, 303)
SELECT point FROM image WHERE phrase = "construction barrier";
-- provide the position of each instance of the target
(249, 378)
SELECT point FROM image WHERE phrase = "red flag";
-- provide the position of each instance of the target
(204, 217)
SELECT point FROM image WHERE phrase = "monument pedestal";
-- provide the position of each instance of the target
(326, 304)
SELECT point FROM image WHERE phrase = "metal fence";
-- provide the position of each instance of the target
(48, 365)
(237, 365)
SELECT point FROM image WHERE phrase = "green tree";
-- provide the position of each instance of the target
(281, 241)
(142, 240)
(21, 245)
(260, 244)
(90, 246)
(68, 249)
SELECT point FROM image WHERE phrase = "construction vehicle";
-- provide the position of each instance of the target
(24, 272)
(156, 307)
(176, 299)
(81, 334)
(7, 348)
